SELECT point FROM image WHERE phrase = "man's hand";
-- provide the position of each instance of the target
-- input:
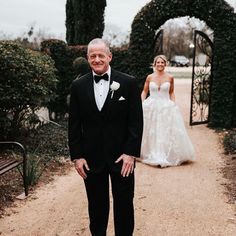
(79, 166)
(128, 164)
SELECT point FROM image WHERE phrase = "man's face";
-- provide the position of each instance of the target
(99, 58)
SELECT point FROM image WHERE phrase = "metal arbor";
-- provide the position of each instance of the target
(202, 78)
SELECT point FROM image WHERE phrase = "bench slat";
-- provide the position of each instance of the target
(8, 166)
(6, 162)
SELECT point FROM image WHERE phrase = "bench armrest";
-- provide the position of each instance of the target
(23, 150)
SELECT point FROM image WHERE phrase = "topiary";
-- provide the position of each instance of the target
(81, 66)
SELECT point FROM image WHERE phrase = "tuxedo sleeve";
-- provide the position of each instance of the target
(74, 124)
(135, 121)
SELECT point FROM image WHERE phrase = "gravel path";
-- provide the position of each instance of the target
(184, 200)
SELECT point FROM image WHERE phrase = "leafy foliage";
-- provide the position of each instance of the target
(45, 145)
(27, 80)
(63, 57)
(119, 58)
(221, 18)
(81, 66)
(84, 20)
(229, 142)
(47, 154)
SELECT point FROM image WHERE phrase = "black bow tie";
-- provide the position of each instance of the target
(97, 78)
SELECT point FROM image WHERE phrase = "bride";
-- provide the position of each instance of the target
(165, 140)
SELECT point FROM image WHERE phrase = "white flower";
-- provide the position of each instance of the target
(114, 86)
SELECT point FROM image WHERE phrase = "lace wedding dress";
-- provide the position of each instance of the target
(165, 140)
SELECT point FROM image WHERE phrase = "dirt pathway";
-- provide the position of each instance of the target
(184, 200)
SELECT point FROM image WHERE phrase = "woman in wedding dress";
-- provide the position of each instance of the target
(165, 140)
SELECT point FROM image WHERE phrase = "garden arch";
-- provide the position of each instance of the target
(220, 17)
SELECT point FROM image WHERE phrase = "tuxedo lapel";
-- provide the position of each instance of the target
(108, 98)
(90, 93)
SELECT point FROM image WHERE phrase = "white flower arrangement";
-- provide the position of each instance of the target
(114, 86)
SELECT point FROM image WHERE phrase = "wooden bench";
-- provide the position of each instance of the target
(9, 164)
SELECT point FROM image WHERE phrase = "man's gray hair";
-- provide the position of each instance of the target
(99, 41)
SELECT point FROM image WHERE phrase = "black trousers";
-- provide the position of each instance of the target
(97, 188)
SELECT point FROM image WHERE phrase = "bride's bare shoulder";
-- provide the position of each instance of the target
(150, 76)
(170, 76)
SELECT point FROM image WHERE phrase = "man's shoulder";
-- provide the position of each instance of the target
(81, 80)
(123, 75)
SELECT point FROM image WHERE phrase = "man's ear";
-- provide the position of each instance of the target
(110, 57)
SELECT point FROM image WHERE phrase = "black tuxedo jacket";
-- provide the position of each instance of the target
(102, 136)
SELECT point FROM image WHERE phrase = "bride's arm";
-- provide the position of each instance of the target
(171, 92)
(145, 88)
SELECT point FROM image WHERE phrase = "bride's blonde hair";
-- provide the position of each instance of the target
(163, 57)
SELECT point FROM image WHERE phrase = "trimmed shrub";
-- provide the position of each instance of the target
(119, 58)
(63, 58)
(81, 66)
(84, 20)
(27, 82)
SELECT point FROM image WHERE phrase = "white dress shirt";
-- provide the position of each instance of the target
(101, 89)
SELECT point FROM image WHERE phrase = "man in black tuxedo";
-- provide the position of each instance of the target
(105, 132)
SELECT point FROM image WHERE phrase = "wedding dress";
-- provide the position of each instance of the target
(165, 141)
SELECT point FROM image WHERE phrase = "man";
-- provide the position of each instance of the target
(105, 132)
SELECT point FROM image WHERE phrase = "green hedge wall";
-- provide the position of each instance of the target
(218, 15)
(119, 58)
(63, 57)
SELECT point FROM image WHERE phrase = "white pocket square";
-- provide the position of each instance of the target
(121, 98)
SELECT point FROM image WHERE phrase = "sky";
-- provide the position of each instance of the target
(16, 16)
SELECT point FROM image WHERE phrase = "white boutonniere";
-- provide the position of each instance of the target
(114, 86)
